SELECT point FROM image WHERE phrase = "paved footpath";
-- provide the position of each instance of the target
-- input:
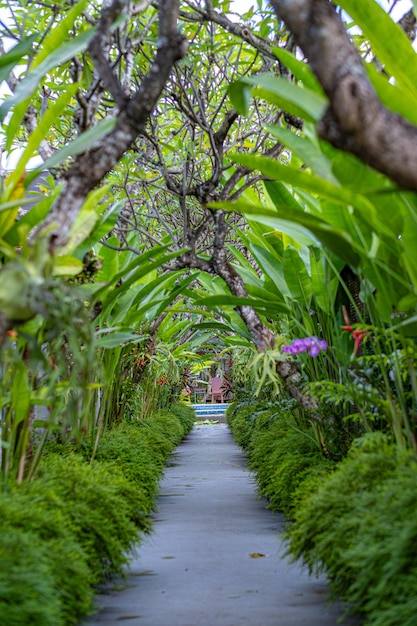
(202, 565)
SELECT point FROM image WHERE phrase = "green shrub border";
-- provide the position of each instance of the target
(354, 521)
(78, 522)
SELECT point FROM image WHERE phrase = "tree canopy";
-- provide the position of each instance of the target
(207, 182)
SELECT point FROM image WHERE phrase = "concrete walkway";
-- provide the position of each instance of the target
(215, 558)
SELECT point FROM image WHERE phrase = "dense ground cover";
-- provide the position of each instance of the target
(77, 522)
(353, 520)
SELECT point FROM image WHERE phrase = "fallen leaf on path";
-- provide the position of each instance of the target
(258, 555)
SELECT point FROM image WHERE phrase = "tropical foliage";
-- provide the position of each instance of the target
(179, 185)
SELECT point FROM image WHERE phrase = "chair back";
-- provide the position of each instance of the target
(216, 384)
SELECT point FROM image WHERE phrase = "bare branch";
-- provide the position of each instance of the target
(243, 32)
(89, 168)
(97, 49)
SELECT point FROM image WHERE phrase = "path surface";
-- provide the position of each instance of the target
(199, 566)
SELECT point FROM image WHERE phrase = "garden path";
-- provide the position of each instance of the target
(215, 557)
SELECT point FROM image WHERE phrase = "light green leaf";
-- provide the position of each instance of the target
(294, 98)
(296, 276)
(335, 239)
(32, 218)
(86, 219)
(51, 115)
(306, 150)
(20, 393)
(105, 224)
(303, 180)
(299, 69)
(389, 41)
(10, 59)
(235, 301)
(271, 265)
(322, 290)
(116, 339)
(67, 266)
(21, 98)
(392, 96)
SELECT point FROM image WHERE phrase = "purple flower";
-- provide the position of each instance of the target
(313, 345)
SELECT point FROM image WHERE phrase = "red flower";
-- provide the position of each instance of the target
(358, 335)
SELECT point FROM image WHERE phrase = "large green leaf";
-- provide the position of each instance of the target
(299, 69)
(315, 186)
(389, 41)
(306, 150)
(112, 338)
(13, 56)
(227, 300)
(284, 94)
(392, 96)
(336, 240)
(109, 260)
(159, 292)
(272, 267)
(20, 393)
(239, 94)
(293, 98)
(279, 194)
(324, 287)
(299, 178)
(153, 307)
(131, 273)
(296, 276)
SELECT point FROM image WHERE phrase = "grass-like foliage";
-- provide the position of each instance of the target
(28, 590)
(76, 523)
(355, 521)
(360, 528)
(280, 452)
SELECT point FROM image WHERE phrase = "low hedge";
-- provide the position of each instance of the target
(354, 521)
(280, 453)
(77, 522)
(360, 528)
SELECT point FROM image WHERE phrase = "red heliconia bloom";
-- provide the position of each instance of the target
(358, 334)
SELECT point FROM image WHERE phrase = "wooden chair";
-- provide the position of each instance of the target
(216, 389)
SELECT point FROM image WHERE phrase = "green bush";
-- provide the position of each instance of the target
(360, 528)
(185, 414)
(139, 448)
(75, 524)
(28, 589)
(355, 521)
(128, 447)
(35, 512)
(101, 508)
(384, 555)
(281, 453)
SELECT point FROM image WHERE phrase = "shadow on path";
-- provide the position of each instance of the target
(215, 558)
